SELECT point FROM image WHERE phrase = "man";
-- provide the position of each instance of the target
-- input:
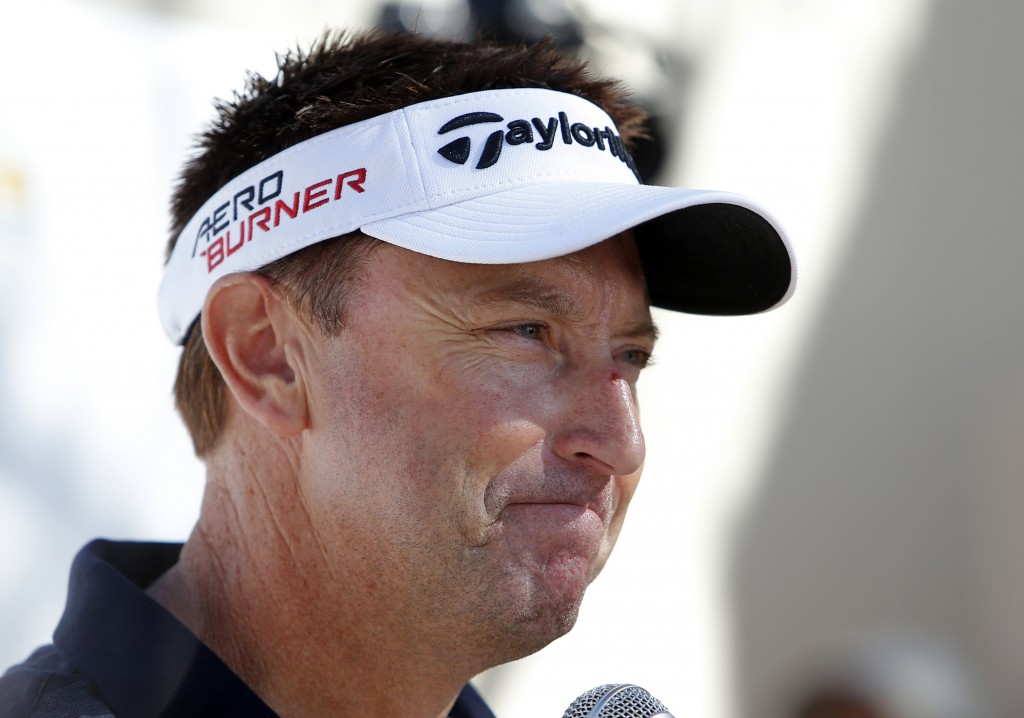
(412, 281)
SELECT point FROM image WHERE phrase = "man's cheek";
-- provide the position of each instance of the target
(625, 488)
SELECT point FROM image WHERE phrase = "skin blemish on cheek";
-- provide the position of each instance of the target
(614, 376)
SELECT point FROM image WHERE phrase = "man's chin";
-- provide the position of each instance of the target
(539, 599)
(541, 627)
(554, 602)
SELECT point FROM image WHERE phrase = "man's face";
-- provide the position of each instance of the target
(475, 440)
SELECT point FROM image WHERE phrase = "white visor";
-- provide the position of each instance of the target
(496, 177)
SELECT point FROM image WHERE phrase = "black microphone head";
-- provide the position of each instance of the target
(616, 700)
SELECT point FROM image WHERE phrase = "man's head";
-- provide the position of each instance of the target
(720, 256)
(340, 81)
(422, 273)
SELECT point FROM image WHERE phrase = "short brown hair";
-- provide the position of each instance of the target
(344, 79)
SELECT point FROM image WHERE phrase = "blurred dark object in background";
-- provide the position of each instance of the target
(898, 673)
(501, 20)
(835, 704)
(527, 20)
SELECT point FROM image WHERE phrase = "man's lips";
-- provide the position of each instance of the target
(560, 490)
(555, 514)
(569, 507)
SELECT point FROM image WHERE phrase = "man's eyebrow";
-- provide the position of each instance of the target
(645, 329)
(533, 295)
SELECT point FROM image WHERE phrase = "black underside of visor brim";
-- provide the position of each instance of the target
(717, 259)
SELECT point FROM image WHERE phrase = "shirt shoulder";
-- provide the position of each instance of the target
(45, 686)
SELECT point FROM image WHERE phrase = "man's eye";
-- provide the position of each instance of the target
(529, 331)
(637, 357)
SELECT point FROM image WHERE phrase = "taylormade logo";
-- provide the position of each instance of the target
(542, 134)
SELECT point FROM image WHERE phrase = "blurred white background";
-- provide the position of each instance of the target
(832, 494)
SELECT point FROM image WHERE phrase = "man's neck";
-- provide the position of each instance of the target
(253, 584)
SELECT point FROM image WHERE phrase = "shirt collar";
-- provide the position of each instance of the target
(142, 660)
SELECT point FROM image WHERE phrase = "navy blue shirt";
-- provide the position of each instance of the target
(117, 652)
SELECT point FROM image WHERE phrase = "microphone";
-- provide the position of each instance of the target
(617, 700)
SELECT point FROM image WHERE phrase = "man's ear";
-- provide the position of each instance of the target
(253, 337)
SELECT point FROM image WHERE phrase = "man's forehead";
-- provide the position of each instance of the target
(564, 286)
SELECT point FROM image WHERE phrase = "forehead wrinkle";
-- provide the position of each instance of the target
(533, 294)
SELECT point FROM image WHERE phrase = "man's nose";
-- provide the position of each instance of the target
(600, 424)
